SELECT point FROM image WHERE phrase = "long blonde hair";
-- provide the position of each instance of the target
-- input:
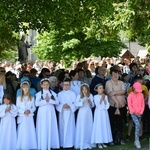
(28, 94)
(88, 91)
(3, 80)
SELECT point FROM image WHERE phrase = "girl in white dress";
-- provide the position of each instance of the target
(84, 122)
(101, 128)
(8, 135)
(26, 128)
(46, 126)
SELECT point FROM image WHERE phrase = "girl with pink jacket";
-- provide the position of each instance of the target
(136, 107)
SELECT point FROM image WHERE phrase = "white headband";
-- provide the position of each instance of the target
(100, 84)
(84, 84)
(25, 82)
(45, 79)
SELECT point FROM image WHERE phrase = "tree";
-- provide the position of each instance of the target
(75, 45)
(97, 22)
(78, 31)
(66, 15)
(8, 42)
(133, 17)
(63, 13)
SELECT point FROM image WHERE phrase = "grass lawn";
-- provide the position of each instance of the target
(128, 146)
(145, 145)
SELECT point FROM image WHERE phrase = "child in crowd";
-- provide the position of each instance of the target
(84, 122)
(26, 128)
(101, 128)
(46, 127)
(138, 78)
(125, 79)
(8, 134)
(136, 107)
(66, 109)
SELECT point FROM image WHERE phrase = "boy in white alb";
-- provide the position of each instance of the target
(66, 110)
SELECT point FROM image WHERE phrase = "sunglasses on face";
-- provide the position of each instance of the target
(141, 69)
(2, 71)
(47, 75)
(26, 75)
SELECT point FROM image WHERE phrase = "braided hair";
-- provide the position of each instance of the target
(52, 96)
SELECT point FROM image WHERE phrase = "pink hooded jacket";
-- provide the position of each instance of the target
(136, 103)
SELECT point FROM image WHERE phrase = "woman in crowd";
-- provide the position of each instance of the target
(116, 94)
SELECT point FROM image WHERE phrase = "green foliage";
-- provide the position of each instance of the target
(79, 31)
(56, 46)
(133, 17)
(73, 29)
(10, 55)
(63, 13)
(8, 42)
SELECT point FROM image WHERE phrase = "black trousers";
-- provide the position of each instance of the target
(116, 121)
(146, 119)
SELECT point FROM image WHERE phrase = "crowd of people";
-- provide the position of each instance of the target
(48, 106)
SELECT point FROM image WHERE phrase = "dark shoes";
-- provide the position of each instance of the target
(111, 144)
(142, 138)
(127, 138)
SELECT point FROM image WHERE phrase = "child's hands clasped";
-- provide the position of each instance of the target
(89, 101)
(66, 106)
(27, 112)
(102, 99)
(8, 109)
(47, 98)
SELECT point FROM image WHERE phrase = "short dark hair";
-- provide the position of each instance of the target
(9, 73)
(72, 73)
(80, 70)
(96, 70)
(7, 96)
(33, 70)
(114, 70)
(67, 80)
(124, 75)
(132, 64)
(43, 71)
